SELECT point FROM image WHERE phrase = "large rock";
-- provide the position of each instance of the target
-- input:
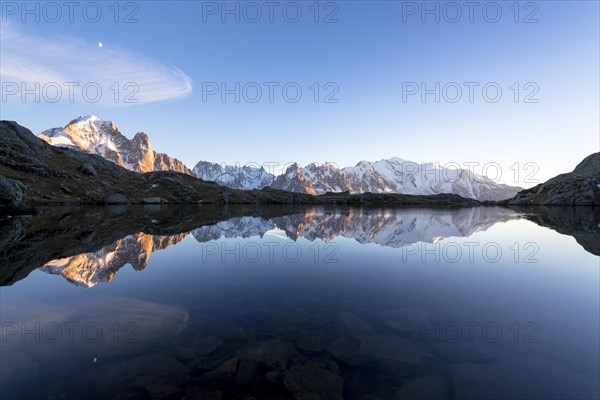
(12, 193)
(222, 375)
(194, 393)
(312, 382)
(162, 390)
(398, 356)
(272, 353)
(153, 200)
(353, 324)
(345, 349)
(115, 199)
(206, 345)
(246, 372)
(311, 343)
(88, 169)
(423, 388)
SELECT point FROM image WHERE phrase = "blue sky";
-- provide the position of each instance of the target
(176, 51)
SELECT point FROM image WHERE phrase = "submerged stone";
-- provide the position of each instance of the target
(313, 383)
(354, 324)
(246, 372)
(423, 388)
(222, 375)
(398, 356)
(206, 345)
(345, 349)
(272, 353)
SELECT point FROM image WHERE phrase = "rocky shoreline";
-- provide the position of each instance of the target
(578, 188)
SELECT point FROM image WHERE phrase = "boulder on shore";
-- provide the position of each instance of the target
(12, 193)
(115, 199)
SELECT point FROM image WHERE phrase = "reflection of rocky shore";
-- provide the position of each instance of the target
(583, 223)
(27, 243)
(89, 245)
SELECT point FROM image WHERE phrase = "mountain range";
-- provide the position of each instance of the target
(394, 175)
(35, 173)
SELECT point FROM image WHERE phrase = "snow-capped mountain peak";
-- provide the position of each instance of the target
(84, 119)
(94, 135)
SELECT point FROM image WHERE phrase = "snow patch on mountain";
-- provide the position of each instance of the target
(234, 176)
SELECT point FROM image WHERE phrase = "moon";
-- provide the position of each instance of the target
(99, 44)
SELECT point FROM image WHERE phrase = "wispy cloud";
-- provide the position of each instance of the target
(31, 59)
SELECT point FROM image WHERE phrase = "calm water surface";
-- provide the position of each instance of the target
(303, 304)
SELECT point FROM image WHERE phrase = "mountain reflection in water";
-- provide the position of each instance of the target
(389, 228)
(373, 325)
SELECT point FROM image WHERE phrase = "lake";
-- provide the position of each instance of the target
(204, 302)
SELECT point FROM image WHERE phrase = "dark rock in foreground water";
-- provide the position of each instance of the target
(398, 355)
(423, 388)
(312, 382)
(271, 353)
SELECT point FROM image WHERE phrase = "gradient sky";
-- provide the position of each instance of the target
(175, 47)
